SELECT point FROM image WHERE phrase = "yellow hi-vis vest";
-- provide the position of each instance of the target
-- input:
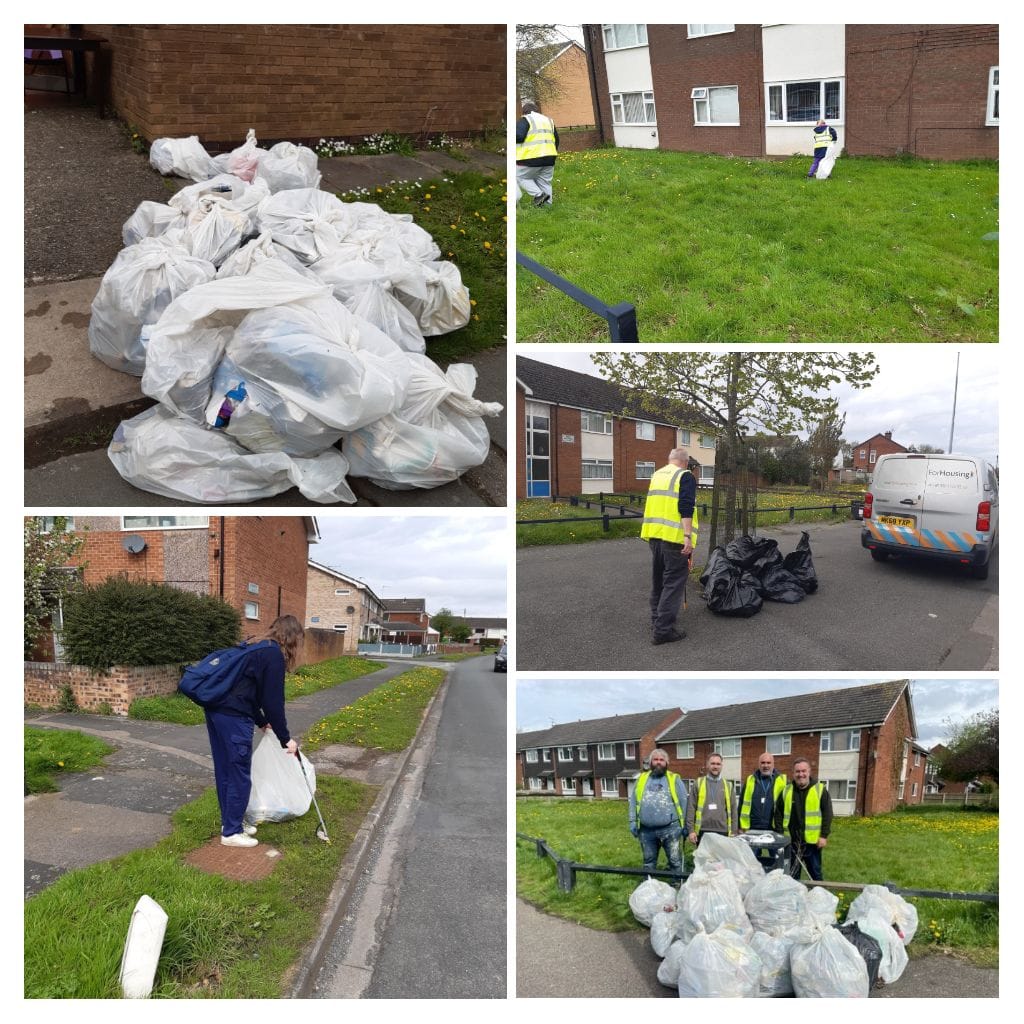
(641, 785)
(702, 796)
(748, 796)
(661, 510)
(822, 138)
(812, 811)
(540, 138)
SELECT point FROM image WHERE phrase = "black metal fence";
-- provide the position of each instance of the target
(621, 318)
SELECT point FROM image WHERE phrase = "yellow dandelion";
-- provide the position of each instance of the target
(427, 196)
(452, 226)
(476, 316)
(380, 190)
(487, 245)
(482, 191)
(472, 302)
(426, 208)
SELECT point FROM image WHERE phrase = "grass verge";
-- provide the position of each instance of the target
(748, 250)
(465, 214)
(386, 719)
(179, 710)
(231, 940)
(48, 752)
(463, 657)
(947, 850)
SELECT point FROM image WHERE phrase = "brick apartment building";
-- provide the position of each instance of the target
(406, 621)
(255, 563)
(575, 435)
(757, 90)
(865, 454)
(343, 604)
(859, 741)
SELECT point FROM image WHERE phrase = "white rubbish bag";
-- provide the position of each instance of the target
(170, 455)
(444, 305)
(310, 222)
(141, 283)
(894, 955)
(663, 930)
(151, 220)
(378, 306)
(898, 911)
(708, 898)
(668, 969)
(822, 904)
(215, 230)
(257, 251)
(185, 158)
(279, 792)
(825, 966)
(828, 161)
(776, 903)
(287, 166)
(719, 965)
(773, 951)
(244, 161)
(651, 897)
(733, 853)
(142, 948)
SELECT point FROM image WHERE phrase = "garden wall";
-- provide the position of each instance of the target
(322, 644)
(91, 688)
(575, 142)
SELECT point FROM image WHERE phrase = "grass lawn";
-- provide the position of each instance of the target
(465, 214)
(232, 940)
(712, 248)
(178, 709)
(386, 719)
(463, 657)
(48, 752)
(932, 849)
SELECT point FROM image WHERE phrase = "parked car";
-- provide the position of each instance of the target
(501, 659)
(933, 506)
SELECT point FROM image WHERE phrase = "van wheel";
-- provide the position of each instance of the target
(879, 556)
(980, 572)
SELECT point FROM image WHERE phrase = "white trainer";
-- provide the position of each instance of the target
(239, 839)
(249, 830)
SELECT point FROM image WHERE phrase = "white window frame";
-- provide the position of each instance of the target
(534, 783)
(703, 439)
(902, 789)
(199, 523)
(684, 750)
(582, 753)
(684, 437)
(720, 746)
(253, 588)
(913, 789)
(852, 741)
(873, 456)
(771, 122)
(341, 627)
(545, 755)
(342, 593)
(569, 785)
(596, 464)
(565, 750)
(991, 116)
(645, 470)
(707, 474)
(605, 29)
(532, 756)
(609, 787)
(601, 748)
(863, 454)
(585, 418)
(917, 759)
(698, 123)
(255, 613)
(700, 31)
(784, 743)
(629, 751)
(650, 109)
(46, 523)
(642, 432)
(850, 788)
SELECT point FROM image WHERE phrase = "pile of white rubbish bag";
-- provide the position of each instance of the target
(733, 931)
(271, 321)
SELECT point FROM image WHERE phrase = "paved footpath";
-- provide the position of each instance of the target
(126, 804)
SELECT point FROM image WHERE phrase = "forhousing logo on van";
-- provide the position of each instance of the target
(952, 474)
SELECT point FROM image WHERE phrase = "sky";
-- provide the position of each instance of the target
(539, 702)
(455, 562)
(912, 395)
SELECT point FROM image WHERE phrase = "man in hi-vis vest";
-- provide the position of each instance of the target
(670, 528)
(824, 136)
(761, 791)
(536, 152)
(712, 804)
(804, 810)
(657, 810)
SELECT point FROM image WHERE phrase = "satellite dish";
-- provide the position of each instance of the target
(133, 543)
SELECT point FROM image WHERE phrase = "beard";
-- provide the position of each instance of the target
(658, 771)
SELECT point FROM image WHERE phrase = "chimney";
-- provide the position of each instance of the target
(888, 435)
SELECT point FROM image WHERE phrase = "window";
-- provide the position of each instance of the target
(534, 783)
(597, 469)
(581, 753)
(609, 787)
(545, 754)
(804, 102)
(841, 789)
(694, 31)
(913, 789)
(618, 36)
(706, 440)
(630, 751)
(341, 627)
(644, 470)
(720, 105)
(873, 456)
(644, 431)
(595, 423)
(314, 618)
(568, 785)
(252, 609)
(163, 522)
(707, 474)
(728, 748)
(606, 752)
(531, 757)
(565, 753)
(917, 759)
(684, 437)
(779, 745)
(992, 110)
(46, 523)
(903, 787)
(253, 588)
(844, 739)
(633, 108)
(684, 750)
(342, 593)
(863, 454)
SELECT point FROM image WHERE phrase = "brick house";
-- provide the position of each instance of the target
(255, 563)
(406, 621)
(344, 604)
(865, 454)
(565, 65)
(858, 740)
(484, 628)
(599, 757)
(304, 82)
(757, 90)
(575, 436)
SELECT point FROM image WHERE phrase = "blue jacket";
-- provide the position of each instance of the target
(259, 693)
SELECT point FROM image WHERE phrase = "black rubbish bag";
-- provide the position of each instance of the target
(755, 554)
(778, 584)
(801, 565)
(869, 949)
(725, 590)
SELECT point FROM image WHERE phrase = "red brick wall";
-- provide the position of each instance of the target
(884, 774)
(321, 644)
(576, 142)
(679, 64)
(567, 459)
(118, 687)
(920, 89)
(915, 775)
(104, 555)
(304, 82)
(880, 446)
(629, 450)
(272, 552)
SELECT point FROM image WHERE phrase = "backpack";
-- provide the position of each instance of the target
(209, 681)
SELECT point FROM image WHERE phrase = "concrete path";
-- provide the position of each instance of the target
(126, 804)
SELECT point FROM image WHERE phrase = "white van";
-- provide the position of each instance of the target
(933, 506)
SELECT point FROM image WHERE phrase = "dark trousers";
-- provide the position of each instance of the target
(810, 855)
(231, 746)
(669, 570)
(819, 155)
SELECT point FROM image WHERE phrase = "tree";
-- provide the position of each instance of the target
(443, 620)
(771, 391)
(461, 632)
(926, 449)
(973, 748)
(825, 443)
(49, 579)
(534, 48)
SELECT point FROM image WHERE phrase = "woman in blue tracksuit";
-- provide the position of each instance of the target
(256, 701)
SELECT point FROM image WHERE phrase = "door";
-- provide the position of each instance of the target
(951, 498)
(538, 451)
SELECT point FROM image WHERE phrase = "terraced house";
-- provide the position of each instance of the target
(341, 603)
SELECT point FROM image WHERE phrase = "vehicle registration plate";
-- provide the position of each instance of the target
(897, 520)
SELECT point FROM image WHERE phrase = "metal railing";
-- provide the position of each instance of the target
(621, 318)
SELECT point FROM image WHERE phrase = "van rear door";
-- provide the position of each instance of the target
(951, 497)
(898, 485)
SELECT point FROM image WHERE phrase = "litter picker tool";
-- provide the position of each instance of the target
(321, 832)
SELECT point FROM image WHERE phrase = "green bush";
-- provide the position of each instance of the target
(122, 622)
